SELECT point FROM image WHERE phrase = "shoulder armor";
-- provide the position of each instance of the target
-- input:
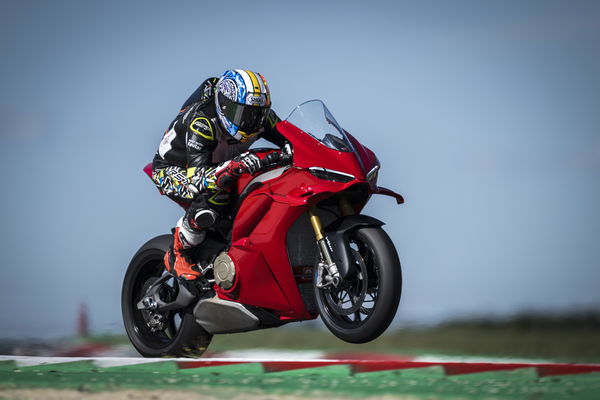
(203, 127)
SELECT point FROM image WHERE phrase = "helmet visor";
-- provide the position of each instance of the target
(246, 117)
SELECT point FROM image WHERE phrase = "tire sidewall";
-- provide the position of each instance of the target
(190, 337)
(390, 288)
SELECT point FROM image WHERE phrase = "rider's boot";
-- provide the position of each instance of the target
(178, 259)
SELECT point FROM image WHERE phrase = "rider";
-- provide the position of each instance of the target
(205, 149)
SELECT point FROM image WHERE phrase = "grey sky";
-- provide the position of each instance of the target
(485, 115)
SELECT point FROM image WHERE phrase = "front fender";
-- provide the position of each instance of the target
(337, 235)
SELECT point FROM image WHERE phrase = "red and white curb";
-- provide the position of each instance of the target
(357, 363)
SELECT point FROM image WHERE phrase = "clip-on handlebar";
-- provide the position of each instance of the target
(277, 158)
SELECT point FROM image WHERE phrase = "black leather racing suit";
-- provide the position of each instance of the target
(195, 142)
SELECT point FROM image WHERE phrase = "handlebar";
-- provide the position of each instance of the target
(277, 158)
(270, 160)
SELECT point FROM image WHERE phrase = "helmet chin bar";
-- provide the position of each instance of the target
(239, 135)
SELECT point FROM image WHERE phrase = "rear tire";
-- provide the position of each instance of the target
(183, 337)
(375, 296)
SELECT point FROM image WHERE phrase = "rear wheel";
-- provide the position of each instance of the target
(158, 334)
(361, 307)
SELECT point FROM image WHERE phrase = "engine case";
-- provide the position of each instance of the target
(224, 271)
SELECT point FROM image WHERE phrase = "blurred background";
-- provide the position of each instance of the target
(484, 115)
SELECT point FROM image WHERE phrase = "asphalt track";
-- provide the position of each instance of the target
(301, 375)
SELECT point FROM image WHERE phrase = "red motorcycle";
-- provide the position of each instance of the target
(298, 248)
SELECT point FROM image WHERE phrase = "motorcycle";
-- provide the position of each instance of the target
(298, 248)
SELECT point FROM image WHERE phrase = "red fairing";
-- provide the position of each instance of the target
(255, 284)
(309, 152)
(366, 156)
(260, 227)
(267, 281)
(148, 170)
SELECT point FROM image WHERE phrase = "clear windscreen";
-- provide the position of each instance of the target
(314, 118)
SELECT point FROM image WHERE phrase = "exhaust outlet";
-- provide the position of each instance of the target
(216, 315)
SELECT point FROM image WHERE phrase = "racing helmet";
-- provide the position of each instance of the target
(243, 102)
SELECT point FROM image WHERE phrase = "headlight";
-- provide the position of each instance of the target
(331, 175)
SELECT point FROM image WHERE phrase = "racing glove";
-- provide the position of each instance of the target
(249, 162)
(212, 179)
(225, 174)
(203, 180)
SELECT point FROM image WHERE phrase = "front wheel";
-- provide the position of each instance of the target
(168, 334)
(361, 307)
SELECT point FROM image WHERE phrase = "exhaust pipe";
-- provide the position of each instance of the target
(216, 315)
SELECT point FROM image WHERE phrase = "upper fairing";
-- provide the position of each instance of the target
(309, 152)
(367, 158)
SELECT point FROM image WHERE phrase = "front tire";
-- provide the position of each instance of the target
(361, 308)
(182, 336)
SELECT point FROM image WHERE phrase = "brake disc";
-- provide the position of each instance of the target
(356, 290)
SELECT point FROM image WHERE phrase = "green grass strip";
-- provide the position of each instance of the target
(335, 380)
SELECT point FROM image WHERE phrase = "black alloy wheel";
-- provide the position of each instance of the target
(361, 308)
(158, 334)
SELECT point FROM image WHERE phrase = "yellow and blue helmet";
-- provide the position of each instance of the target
(243, 102)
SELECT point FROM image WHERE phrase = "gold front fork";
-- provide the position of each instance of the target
(315, 221)
(333, 276)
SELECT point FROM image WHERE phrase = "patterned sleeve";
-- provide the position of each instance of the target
(173, 182)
